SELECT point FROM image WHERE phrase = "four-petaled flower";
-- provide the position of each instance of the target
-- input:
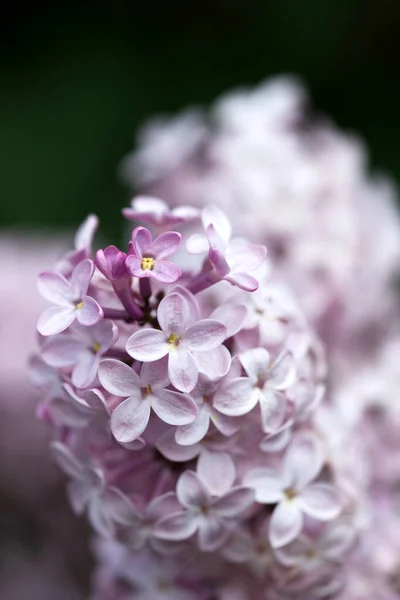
(181, 338)
(154, 211)
(148, 257)
(70, 298)
(130, 418)
(210, 505)
(293, 491)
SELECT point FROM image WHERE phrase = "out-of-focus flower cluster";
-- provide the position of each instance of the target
(300, 186)
(183, 385)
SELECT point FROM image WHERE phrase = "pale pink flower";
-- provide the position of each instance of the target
(71, 300)
(148, 258)
(154, 211)
(181, 338)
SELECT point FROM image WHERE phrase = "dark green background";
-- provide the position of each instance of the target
(77, 78)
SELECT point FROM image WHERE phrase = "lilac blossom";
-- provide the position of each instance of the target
(82, 349)
(143, 393)
(209, 501)
(180, 337)
(154, 211)
(70, 299)
(148, 258)
(294, 492)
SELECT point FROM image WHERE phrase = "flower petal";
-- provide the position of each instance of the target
(213, 533)
(303, 461)
(173, 313)
(194, 432)
(217, 471)
(55, 288)
(155, 373)
(165, 272)
(205, 335)
(232, 316)
(130, 418)
(167, 243)
(85, 370)
(173, 451)
(243, 281)
(190, 490)
(213, 363)
(267, 484)
(80, 278)
(66, 460)
(173, 408)
(90, 313)
(182, 369)
(320, 500)
(142, 241)
(62, 351)
(55, 320)
(117, 378)
(178, 526)
(283, 372)
(256, 363)
(147, 345)
(212, 215)
(234, 503)
(286, 524)
(237, 398)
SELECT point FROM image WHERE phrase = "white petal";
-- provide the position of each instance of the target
(256, 363)
(173, 313)
(286, 524)
(117, 378)
(130, 418)
(267, 485)
(217, 471)
(320, 500)
(147, 345)
(237, 398)
(182, 369)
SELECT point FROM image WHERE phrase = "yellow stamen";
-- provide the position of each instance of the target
(174, 340)
(148, 390)
(96, 347)
(79, 305)
(290, 493)
(147, 263)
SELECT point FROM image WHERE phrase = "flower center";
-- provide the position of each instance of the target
(147, 390)
(79, 305)
(174, 339)
(290, 493)
(147, 263)
(96, 347)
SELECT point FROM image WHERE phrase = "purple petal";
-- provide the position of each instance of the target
(167, 243)
(173, 408)
(267, 484)
(79, 494)
(165, 272)
(134, 266)
(190, 490)
(173, 313)
(205, 335)
(303, 461)
(234, 503)
(212, 215)
(214, 363)
(237, 398)
(182, 370)
(117, 506)
(337, 540)
(225, 425)
(142, 241)
(173, 451)
(62, 351)
(130, 418)
(178, 526)
(217, 471)
(55, 288)
(273, 410)
(243, 281)
(85, 370)
(244, 257)
(213, 533)
(84, 235)
(219, 262)
(232, 316)
(256, 363)
(286, 524)
(194, 433)
(90, 313)
(80, 278)
(155, 373)
(117, 378)
(295, 553)
(55, 320)
(147, 345)
(162, 505)
(321, 501)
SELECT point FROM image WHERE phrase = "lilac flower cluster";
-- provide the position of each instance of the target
(183, 383)
(299, 185)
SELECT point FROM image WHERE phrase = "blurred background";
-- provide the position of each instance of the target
(77, 78)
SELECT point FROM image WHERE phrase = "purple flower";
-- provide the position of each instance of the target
(81, 348)
(71, 300)
(210, 504)
(142, 394)
(107, 507)
(293, 491)
(266, 379)
(148, 257)
(181, 338)
(154, 211)
(111, 262)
